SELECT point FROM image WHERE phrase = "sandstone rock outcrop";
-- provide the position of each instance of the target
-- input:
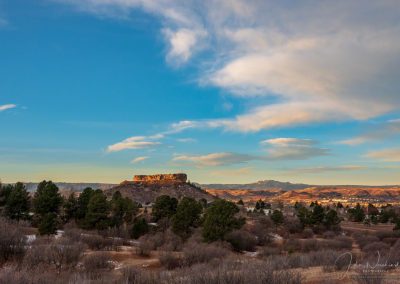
(146, 188)
(161, 178)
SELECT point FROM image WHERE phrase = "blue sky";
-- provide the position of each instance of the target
(226, 91)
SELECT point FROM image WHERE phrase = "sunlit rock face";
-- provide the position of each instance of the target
(161, 178)
(146, 188)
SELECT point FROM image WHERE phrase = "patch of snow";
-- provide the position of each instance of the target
(276, 237)
(30, 239)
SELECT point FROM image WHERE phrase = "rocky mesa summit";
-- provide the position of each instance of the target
(160, 178)
(146, 188)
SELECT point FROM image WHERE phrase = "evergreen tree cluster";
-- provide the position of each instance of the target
(217, 219)
(47, 209)
(317, 215)
(371, 214)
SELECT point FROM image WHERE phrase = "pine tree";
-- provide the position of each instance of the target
(164, 207)
(97, 213)
(47, 199)
(220, 219)
(70, 207)
(187, 216)
(17, 204)
(277, 217)
(318, 214)
(331, 219)
(139, 228)
(5, 191)
(48, 224)
(83, 201)
(357, 214)
(122, 209)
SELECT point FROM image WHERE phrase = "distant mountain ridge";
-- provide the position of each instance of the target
(259, 185)
(72, 186)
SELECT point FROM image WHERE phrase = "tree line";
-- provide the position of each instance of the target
(47, 209)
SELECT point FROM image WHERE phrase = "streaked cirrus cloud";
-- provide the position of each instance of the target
(215, 159)
(324, 169)
(135, 142)
(386, 155)
(378, 132)
(232, 172)
(320, 61)
(293, 149)
(277, 149)
(139, 159)
(7, 106)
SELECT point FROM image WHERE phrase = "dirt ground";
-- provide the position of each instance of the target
(359, 227)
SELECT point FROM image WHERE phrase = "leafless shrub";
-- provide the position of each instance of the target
(80, 278)
(309, 245)
(292, 245)
(363, 240)
(73, 234)
(138, 276)
(61, 254)
(339, 243)
(96, 262)
(307, 233)
(387, 234)
(260, 232)
(390, 241)
(165, 241)
(12, 241)
(35, 257)
(146, 245)
(376, 246)
(236, 272)
(13, 275)
(114, 232)
(241, 240)
(293, 225)
(394, 255)
(267, 251)
(171, 241)
(97, 242)
(170, 260)
(199, 253)
(266, 222)
(228, 271)
(64, 253)
(328, 235)
(303, 260)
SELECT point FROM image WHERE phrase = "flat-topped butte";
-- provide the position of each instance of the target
(161, 178)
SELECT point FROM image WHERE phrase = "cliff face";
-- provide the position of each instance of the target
(161, 178)
(146, 188)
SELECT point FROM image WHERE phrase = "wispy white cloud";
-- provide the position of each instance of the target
(182, 43)
(3, 22)
(324, 169)
(293, 149)
(135, 142)
(277, 149)
(232, 172)
(6, 107)
(186, 140)
(182, 27)
(386, 155)
(139, 159)
(215, 159)
(378, 132)
(318, 67)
